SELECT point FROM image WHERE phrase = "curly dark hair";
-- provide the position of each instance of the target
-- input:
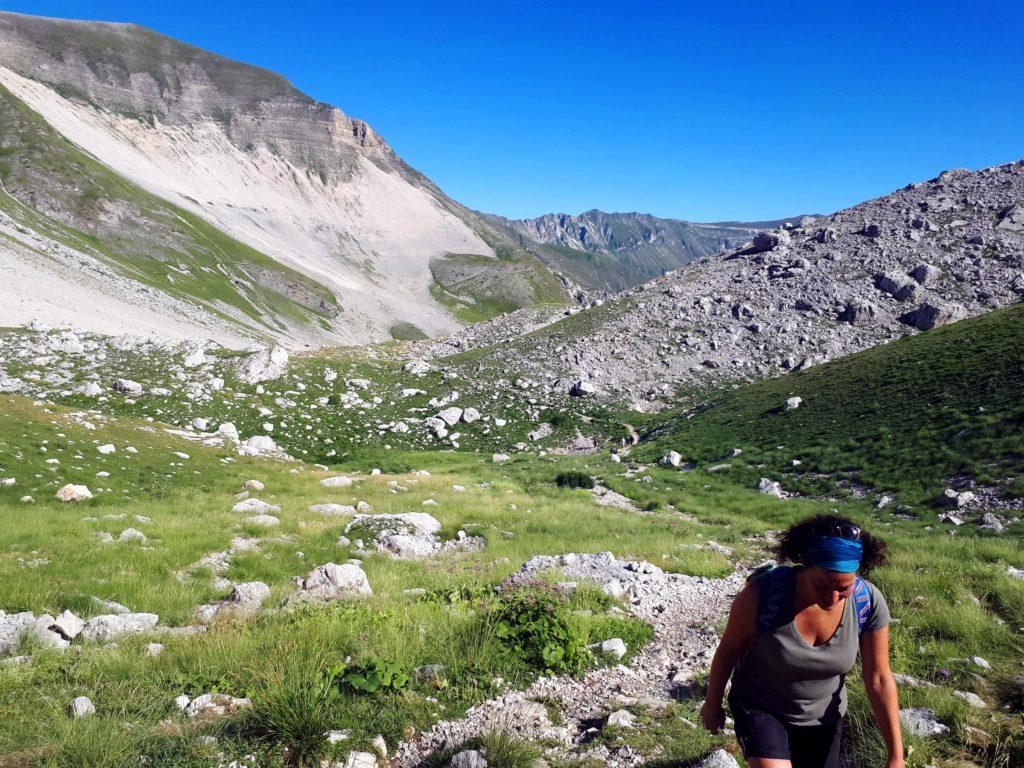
(795, 540)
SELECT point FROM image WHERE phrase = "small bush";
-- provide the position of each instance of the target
(502, 749)
(535, 622)
(574, 479)
(294, 711)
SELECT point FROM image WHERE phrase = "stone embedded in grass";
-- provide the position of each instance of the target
(253, 485)
(338, 481)
(255, 505)
(100, 629)
(621, 718)
(258, 445)
(333, 510)
(132, 534)
(971, 698)
(72, 492)
(127, 387)
(921, 721)
(360, 760)
(499, 457)
(614, 647)
(955, 499)
(671, 459)
(330, 582)
(263, 521)
(154, 649)
(718, 759)
(107, 448)
(210, 705)
(771, 488)
(82, 706)
(450, 416)
(67, 625)
(182, 701)
(468, 758)
(793, 403)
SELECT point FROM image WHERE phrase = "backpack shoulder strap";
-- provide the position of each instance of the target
(862, 602)
(774, 598)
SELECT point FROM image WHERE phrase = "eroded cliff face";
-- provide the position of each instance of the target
(292, 178)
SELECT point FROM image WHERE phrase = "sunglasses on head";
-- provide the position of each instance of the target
(846, 531)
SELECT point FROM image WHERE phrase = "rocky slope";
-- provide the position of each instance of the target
(643, 246)
(316, 223)
(910, 261)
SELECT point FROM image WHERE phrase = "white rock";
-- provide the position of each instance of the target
(128, 387)
(74, 493)
(621, 718)
(771, 488)
(971, 698)
(614, 647)
(793, 403)
(215, 705)
(229, 431)
(108, 626)
(333, 582)
(182, 701)
(920, 721)
(255, 505)
(339, 481)
(107, 448)
(333, 510)
(719, 759)
(253, 485)
(468, 758)
(264, 365)
(132, 534)
(470, 415)
(82, 706)
(263, 521)
(450, 416)
(360, 760)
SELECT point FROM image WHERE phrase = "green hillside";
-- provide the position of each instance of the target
(901, 417)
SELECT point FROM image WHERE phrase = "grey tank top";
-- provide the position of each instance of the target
(799, 683)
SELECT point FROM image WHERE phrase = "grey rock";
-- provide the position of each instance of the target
(468, 758)
(921, 721)
(81, 706)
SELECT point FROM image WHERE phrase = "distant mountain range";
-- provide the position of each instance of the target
(640, 245)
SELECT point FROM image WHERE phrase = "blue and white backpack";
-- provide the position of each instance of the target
(775, 597)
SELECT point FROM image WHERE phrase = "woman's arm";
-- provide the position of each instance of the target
(881, 690)
(739, 632)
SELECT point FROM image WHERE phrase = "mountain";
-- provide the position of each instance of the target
(643, 246)
(151, 186)
(913, 260)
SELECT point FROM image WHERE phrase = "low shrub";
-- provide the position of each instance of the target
(574, 479)
(371, 676)
(534, 621)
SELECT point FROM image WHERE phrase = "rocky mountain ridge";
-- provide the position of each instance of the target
(323, 234)
(645, 245)
(918, 258)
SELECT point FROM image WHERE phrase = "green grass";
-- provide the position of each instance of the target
(406, 332)
(903, 416)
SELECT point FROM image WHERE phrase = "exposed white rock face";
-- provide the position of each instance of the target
(71, 492)
(771, 488)
(719, 759)
(339, 481)
(229, 431)
(793, 403)
(259, 445)
(128, 387)
(330, 582)
(265, 365)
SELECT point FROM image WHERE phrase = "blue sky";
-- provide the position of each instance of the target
(710, 111)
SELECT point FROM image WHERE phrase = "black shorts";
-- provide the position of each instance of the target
(762, 734)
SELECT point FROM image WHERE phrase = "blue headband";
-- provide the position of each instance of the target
(834, 553)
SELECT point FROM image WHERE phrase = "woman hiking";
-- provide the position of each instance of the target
(793, 635)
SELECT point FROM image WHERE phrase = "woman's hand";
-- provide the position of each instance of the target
(712, 715)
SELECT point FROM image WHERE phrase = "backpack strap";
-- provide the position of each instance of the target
(774, 598)
(862, 602)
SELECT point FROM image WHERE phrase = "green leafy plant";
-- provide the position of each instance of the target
(534, 621)
(371, 676)
(573, 479)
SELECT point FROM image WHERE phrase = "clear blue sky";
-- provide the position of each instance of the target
(723, 110)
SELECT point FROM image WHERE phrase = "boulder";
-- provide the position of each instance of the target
(258, 445)
(450, 416)
(67, 625)
(858, 312)
(74, 493)
(770, 240)
(338, 481)
(671, 459)
(228, 431)
(249, 595)
(360, 760)
(793, 403)
(469, 415)
(127, 387)
(582, 389)
(926, 274)
(100, 629)
(1012, 219)
(333, 582)
(468, 758)
(955, 499)
(718, 759)
(417, 367)
(920, 721)
(82, 706)
(901, 287)
(928, 316)
(621, 718)
(253, 485)
(614, 647)
(264, 365)
(771, 488)
(255, 505)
